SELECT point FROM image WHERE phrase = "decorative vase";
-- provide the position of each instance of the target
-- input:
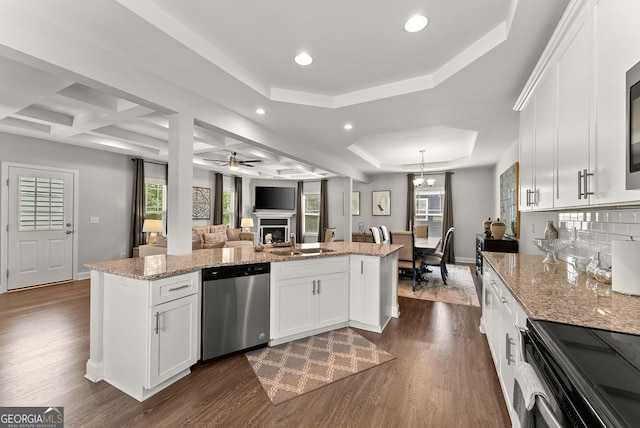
(486, 225)
(550, 232)
(498, 228)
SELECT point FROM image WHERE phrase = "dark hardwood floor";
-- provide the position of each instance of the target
(442, 376)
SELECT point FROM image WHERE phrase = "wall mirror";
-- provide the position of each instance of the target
(509, 212)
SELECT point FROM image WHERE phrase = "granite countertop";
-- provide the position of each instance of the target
(559, 293)
(160, 266)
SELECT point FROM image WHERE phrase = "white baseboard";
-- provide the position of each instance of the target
(465, 260)
(83, 275)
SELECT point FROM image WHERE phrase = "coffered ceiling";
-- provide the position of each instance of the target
(107, 74)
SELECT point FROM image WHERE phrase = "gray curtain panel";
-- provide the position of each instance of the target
(299, 190)
(323, 221)
(137, 211)
(237, 181)
(411, 201)
(447, 215)
(217, 199)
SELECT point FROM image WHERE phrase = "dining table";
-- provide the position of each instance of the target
(427, 245)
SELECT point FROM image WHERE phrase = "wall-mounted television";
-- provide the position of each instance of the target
(274, 198)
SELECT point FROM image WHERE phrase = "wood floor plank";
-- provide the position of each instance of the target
(442, 374)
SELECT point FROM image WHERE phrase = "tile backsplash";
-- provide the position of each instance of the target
(593, 231)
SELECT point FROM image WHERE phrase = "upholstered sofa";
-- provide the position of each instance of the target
(203, 237)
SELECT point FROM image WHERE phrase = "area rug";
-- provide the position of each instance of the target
(295, 368)
(459, 289)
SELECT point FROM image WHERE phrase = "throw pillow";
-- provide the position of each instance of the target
(214, 238)
(233, 234)
(220, 231)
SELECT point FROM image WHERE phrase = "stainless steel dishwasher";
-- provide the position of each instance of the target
(235, 308)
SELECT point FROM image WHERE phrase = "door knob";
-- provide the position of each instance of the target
(69, 232)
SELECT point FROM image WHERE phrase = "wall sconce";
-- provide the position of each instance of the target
(246, 223)
(152, 227)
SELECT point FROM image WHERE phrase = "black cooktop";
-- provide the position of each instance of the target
(602, 366)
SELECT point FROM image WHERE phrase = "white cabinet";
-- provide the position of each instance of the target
(150, 331)
(574, 99)
(537, 138)
(502, 320)
(308, 297)
(557, 120)
(372, 288)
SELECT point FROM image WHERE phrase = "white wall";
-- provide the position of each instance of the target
(397, 184)
(105, 186)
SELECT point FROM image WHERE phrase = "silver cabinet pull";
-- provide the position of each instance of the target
(508, 355)
(361, 266)
(579, 184)
(503, 300)
(487, 297)
(583, 184)
(179, 288)
(157, 329)
(318, 286)
(314, 287)
(528, 197)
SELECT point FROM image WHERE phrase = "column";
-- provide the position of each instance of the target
(179, 184)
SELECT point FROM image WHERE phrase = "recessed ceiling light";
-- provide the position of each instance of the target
(416, 23)
(303, 58)
(348, 127)
(260, 111)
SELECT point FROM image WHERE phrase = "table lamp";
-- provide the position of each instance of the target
(152, 227)
(246, 223)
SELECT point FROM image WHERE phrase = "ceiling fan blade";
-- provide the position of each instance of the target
(250, 161)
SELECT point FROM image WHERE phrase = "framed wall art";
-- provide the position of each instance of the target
(355, 203)
(201, 203)
(509, 213)
(381, 202)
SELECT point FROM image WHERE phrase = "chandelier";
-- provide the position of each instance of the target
(419, 182)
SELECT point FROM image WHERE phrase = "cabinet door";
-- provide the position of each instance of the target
(364, 290)
(332, 299)
(572, 153)
(173, 338)
(292, 310)
(545, 123)
(508, 353)
(526, 167)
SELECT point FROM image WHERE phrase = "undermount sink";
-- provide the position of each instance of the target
(302, 252)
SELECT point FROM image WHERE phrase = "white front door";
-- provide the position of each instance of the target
(40, 228)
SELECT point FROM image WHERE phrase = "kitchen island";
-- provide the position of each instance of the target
(145, 312)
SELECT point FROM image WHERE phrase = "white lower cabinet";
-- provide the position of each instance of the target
(502, 320)
(370, 299)
(150, 332)
(308, 297)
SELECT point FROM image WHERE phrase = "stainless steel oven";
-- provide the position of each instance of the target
(633, 128)
(592, 376)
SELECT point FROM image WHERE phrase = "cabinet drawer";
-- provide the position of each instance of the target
(309, 268)
(167, 289)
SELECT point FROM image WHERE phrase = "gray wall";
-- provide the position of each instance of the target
(105, 183)
(473, 201)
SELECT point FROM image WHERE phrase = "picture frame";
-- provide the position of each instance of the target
(201, 203)
(509, 212)
(355, 203)
(381, 202)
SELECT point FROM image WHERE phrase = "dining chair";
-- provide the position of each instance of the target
(407, 259)
(385, 234)
(439, 257)
(375, 232)
(329, 234)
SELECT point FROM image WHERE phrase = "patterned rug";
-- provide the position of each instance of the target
(459, 290)
(295, 368)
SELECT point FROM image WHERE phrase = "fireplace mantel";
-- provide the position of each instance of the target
(278, 223)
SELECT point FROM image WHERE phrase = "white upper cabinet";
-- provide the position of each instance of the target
(574, 181)
(544, 143)
(617, 49)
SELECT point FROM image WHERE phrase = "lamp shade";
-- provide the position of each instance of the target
(246, 222)
(430, 182)
(150, 225)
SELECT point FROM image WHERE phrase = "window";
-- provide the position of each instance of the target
(155, 200)
(227, 207)
(41, 203)
(311, 211)
(429, 207)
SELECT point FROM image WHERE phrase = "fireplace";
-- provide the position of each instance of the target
(277, 224)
